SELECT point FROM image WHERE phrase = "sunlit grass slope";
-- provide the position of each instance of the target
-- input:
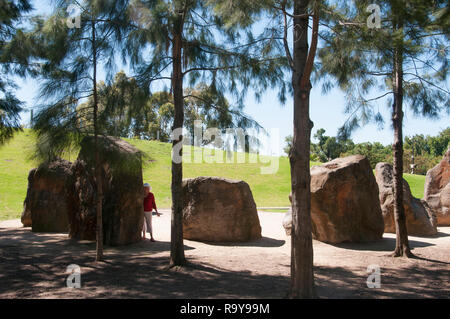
(268, 189)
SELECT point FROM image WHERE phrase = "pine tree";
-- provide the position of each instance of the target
(192, 41)
(71, 53)
(285, 38)
(301, 60)
(126, 110)
(400, 49)
(13, 60)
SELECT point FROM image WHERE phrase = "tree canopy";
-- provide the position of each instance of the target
(360, 60)
(13, 60)
(69, 58)
(127, 110)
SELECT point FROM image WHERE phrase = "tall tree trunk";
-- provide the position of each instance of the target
(302, 275)
(177, 257)
(402, 243)
(98, 173)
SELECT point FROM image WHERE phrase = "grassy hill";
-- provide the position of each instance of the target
(268, 190)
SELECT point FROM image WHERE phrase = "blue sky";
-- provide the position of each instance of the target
(327, 111)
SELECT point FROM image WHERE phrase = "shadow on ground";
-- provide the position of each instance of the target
(262, 242)
(405, 282)
(441, 234)
(384, 244)
(33, 266)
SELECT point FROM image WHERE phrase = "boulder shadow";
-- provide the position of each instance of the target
(262, 242)
(439, 235)
(148, 246)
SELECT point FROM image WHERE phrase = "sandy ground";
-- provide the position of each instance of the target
(34, 266)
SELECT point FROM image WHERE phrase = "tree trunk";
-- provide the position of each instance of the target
(98, 174)
(302, 275)
(177, 257)
(402, 243)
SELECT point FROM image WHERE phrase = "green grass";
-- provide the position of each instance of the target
(14, 168)
(269, 190)
(416, 183)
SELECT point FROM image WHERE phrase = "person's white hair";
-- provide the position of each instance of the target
(147, 185)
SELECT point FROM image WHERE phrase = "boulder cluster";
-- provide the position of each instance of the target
(349, 204)
(61, 196)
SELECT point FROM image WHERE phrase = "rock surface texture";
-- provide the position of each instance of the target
(219, 210)
(437, 190)
(287, 220)
(420, 220)
(123, 213)
(344, 201)
(46, 206)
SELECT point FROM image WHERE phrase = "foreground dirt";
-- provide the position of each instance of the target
(34, 266)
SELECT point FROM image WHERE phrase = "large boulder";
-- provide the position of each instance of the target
(46, 206)
(344, 201)
(83, 217)
(123, 193)
(287, 222)
(420, 220)
(26, 214)
(26, 218)
(287, 219)
(437, 190)
(219, 210)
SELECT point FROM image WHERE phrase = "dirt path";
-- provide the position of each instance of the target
(33, 266)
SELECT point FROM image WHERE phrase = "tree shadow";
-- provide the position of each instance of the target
(405, 282)
(429, 260)
(125, 274)
(34, 266)
(21, 237)
(261, 242)
(384, 244)
(148, 246)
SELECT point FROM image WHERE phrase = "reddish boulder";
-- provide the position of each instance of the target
(46, 205)
(122, 185)
(344, 201)
(287, 219)
(26, 214)
(219, 210)
(420, 220)
(437, 190)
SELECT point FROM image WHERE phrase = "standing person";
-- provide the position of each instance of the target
(149, 205)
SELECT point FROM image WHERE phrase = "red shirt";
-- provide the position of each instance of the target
(149, 203)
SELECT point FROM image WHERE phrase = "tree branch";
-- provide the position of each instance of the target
(285, 35)
(312, 51)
